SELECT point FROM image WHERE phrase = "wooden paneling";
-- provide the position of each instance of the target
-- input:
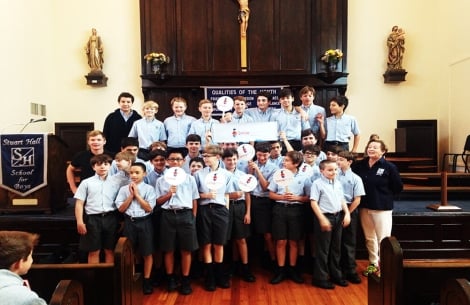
(295, 46)
(203, 36)
(74, 135)
(285, 40)
(226, 49)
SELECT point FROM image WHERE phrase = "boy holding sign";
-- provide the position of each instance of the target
(177, 194)
(290, 191)
(240, 215)
(215, 184)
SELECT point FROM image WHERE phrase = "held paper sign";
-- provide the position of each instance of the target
(229, 133)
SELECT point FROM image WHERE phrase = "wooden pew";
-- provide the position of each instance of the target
(412, 281)
(455, 292)
(103, 284)
(68, 292)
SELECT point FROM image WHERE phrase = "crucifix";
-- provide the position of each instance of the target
(243, 16)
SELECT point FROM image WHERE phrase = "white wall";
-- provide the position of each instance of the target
(43, 61)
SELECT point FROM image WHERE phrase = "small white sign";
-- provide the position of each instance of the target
(215, 180)
(174, 175)
(283, 177)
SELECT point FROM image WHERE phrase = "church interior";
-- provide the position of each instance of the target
(414, 100)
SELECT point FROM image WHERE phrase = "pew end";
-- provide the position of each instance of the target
(68, 292)
(414, 281)
(455, 292)
(104, 283)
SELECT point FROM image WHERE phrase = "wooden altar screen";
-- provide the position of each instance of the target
(284, 43)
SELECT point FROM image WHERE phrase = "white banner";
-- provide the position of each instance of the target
(247, 132)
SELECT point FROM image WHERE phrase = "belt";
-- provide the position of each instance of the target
(336, 143)
(237, 201)
(258, 197)
(289, 205)
(137, 219)
(177, 211)
(103, 214)
(333, 214)
(212, 205)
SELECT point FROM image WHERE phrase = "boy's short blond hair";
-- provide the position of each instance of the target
(239, 98)
(204, 101)
(150, 104)
(307, 89)
(158, 145)
(94, 133)
(125, 155)
(178, 99)
(213, 150)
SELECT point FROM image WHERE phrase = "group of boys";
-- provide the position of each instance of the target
(192, 216)
(131, 189)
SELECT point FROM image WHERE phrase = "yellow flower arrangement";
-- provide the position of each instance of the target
(332, 56)
(157, 58)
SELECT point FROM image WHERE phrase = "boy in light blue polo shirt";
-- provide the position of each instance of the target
(288, 216)
(213, 217)
(95, 196)
(177, 126)
(136, 201)
(353, 191)
(331, 211)
(178, 222)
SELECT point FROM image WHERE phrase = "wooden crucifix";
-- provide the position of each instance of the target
(243, 17)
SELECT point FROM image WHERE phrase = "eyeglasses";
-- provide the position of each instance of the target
(175, 159)
(208, 155)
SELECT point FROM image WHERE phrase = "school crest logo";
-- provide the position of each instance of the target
(24, 162)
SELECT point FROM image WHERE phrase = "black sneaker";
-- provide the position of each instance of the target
(171, 283)
(222, 281)
(246, 274)
(185, 287)
(353, 278)
(147, 287)
(221, 278)
(209, 281)
(278, 277)
(295, 276)
(340, 282)
(209, 284)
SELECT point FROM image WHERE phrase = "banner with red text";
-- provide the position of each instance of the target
(244, 133)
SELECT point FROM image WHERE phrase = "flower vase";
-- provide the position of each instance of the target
(157, 68)
(331, 67)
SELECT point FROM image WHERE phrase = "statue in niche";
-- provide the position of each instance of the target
(94, 52)
(396, 48)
